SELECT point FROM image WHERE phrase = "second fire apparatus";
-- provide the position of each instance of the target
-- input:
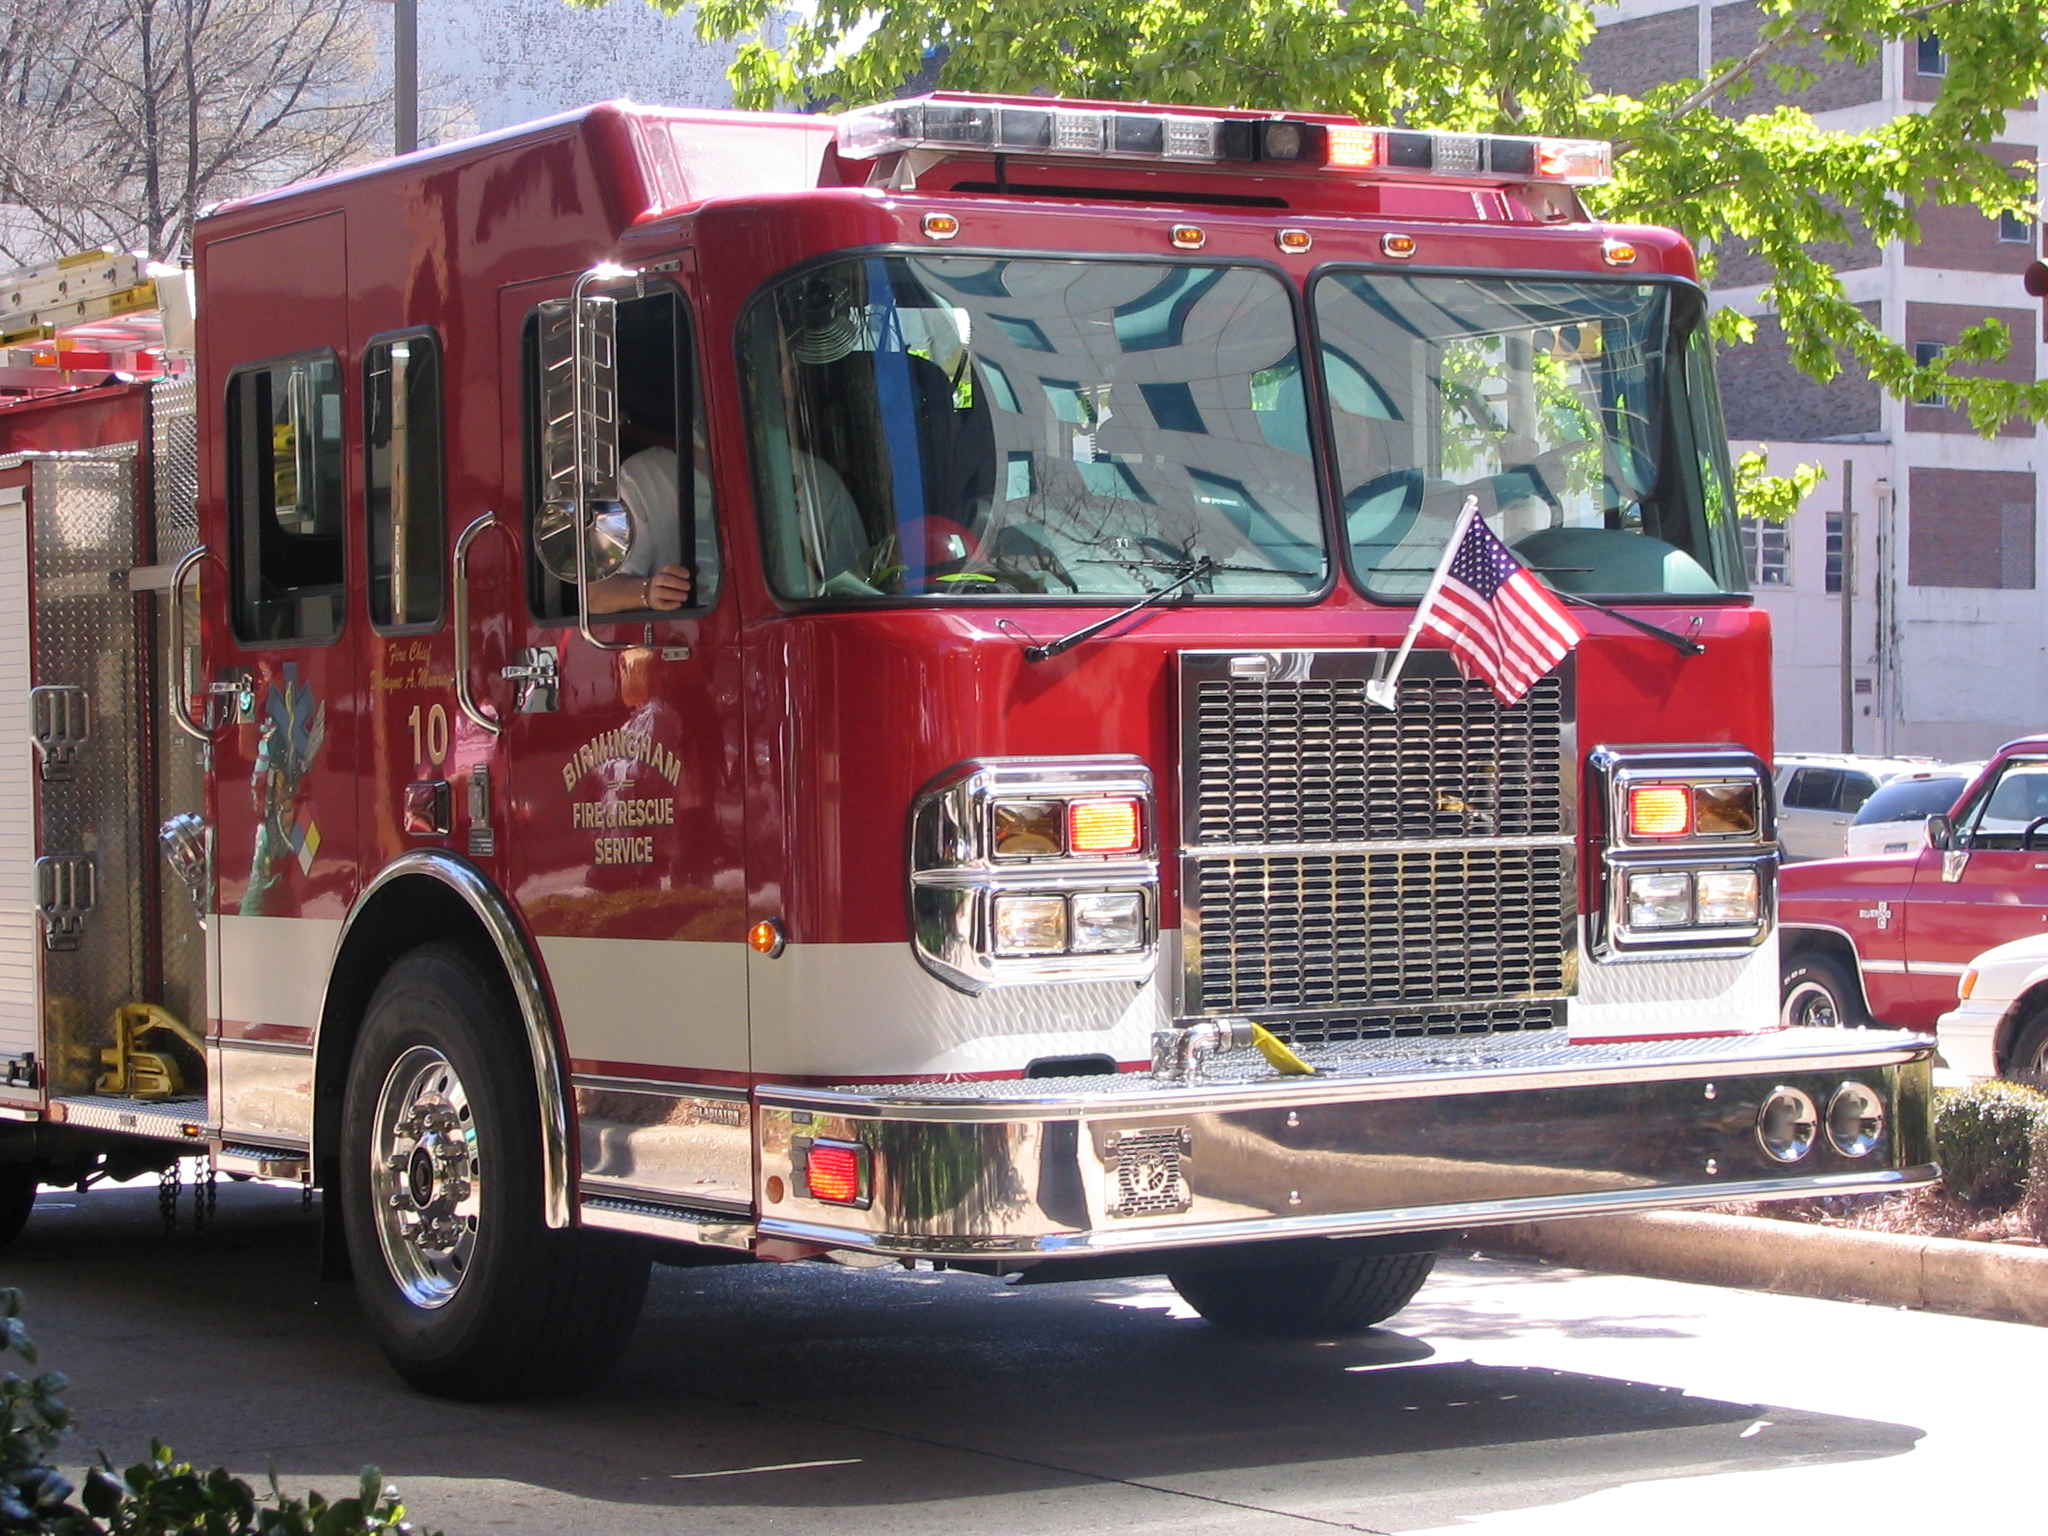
(796, 687)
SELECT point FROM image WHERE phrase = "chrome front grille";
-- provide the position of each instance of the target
(1310, 761)
(1301, 932)
(1354, 873)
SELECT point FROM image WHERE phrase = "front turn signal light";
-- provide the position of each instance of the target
(1725, 810)
(1659, 810)
(1967, 985)
(1104, 826)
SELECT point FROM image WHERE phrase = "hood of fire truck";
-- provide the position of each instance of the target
(874, 706)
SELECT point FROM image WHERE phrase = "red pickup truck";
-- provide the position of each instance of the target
(1884, 940)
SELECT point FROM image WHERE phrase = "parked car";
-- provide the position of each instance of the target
(1999, 1025)
(1885, 939)
(1893, 820)
(1818, 793)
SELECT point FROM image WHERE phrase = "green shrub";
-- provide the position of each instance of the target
(1983, 1139)
(158, 1497)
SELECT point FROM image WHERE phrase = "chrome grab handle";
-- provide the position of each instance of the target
(463, 699)
(181, 693)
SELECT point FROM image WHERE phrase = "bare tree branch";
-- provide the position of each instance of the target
(121, 119)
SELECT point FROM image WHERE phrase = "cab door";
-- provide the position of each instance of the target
(622, 839)
(1990, 887)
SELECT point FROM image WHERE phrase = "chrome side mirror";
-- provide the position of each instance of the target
(579, 440)
(1941, 831)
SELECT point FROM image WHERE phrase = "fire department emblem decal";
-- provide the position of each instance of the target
(294, 726)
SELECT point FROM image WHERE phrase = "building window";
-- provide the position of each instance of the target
(1925, 353)
(1766, 552)
(1929, 58)
(2015, 229)
(285, 501)
(1834, 562)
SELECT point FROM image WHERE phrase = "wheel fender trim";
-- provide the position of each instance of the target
(536, 1017)
(1792, 931)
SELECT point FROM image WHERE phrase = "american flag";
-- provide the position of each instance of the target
(1499, 621)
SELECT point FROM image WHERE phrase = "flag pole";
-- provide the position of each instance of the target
(1385, 692)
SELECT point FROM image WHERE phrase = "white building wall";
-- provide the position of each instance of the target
(488, 64)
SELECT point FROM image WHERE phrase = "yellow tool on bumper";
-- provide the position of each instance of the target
(1275, 1050)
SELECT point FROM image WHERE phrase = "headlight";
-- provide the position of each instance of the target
(1690, 857)
(1724, 896)
(1659, 900)
(1026, 870)
(1030, 925)
(1108, 922)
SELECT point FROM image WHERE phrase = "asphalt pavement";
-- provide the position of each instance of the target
(1510, 1398)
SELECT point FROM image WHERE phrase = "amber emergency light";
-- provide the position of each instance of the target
(1659, 810)
(1104, 826)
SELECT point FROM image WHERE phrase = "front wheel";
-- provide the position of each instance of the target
(1326, 1297)
(1816, 992)
(469, 1293)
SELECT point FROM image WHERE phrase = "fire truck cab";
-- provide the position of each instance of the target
(725, 686)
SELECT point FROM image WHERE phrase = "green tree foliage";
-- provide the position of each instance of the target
(1688, 153)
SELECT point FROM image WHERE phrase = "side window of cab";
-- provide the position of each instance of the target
(284, 485)
(2009, 807)
(664, 480)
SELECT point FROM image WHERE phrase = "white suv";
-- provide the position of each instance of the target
(1818, 794)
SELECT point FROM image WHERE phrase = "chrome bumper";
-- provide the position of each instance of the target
(1393, 1137)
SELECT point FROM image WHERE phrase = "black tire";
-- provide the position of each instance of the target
(17, 1198)
(469, 1293)
(1329, 1297)
(1815, 991)
(2027, 1061)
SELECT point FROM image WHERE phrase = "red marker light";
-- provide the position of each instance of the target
(1659, 810)
(836, 1172)
(1104, 826)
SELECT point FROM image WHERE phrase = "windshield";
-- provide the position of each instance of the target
(1910, 800)
(970, 427)
(1580, 414)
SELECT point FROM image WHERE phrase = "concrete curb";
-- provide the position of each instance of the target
(1937, 1274)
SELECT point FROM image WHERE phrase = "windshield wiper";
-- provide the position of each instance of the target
(1065, 643)
(1672, 638)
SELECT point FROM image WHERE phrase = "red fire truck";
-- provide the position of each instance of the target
(720, 686)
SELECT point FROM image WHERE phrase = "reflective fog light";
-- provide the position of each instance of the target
(1029, 829)
(1786, 1124)
(1031, 925)
(1855, 1120)
(1108, 921)
(1725, 810)
(1659, 900)
(1725, 895)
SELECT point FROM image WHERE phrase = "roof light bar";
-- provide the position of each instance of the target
(1057, 131)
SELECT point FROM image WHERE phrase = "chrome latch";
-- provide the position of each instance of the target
(60, 716)
(536, 680)
(186, 848)
(483, 838)
(1182, 1055)
(240, 686)
(66, 886)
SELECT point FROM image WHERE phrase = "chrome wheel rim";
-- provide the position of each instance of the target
(1810, 1005)
(425, 1179)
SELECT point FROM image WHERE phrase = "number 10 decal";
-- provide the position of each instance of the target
(436, 735)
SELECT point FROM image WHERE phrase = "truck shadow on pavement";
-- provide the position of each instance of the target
(809, 1392)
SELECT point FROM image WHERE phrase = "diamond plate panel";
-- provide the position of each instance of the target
(84, 542)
